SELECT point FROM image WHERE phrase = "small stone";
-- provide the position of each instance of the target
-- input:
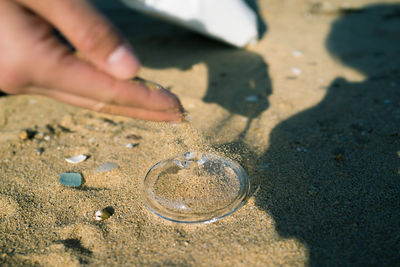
(39, 151)
(27, 134)
(47, 138)
(252, 98)
(72, 179)
(50, 129)
(106, 166)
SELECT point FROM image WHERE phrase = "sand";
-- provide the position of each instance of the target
(321, 144)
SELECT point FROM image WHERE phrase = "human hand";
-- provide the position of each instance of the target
(34, 61)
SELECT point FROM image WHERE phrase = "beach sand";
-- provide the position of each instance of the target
(320, 139)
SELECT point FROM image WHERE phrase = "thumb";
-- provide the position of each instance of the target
(91, 33)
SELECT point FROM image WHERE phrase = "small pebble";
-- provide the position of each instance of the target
(72, 179)
(27, 134)
(47, 138)
(77, 159)
(252, 98)
(39, 151)
(106, 166)
(50, 129)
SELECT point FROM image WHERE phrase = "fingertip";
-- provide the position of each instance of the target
(171, 100)
(122, 63)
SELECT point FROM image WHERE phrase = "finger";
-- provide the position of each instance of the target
(109, 109)
(91, 33)
(66, 72)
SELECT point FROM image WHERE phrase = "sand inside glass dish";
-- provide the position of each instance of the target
(195, 187)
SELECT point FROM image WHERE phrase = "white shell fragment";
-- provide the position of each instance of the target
(297, 53)
(77, 159)
(296, 71)
(102, 215)
(106, 166)
(131, 145)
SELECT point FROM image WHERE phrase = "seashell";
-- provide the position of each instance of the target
(103, 214)
(296, 71)
(77, 159)
(131, 145)
(297, 53)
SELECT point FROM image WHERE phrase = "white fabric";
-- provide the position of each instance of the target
(231, 21)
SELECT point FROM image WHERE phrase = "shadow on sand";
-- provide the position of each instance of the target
(334, 180)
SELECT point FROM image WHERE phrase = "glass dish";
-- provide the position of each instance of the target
(195, 187)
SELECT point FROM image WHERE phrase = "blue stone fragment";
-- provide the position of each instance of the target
(71, 179)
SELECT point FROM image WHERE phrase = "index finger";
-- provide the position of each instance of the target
(74, 76)
(91, 33)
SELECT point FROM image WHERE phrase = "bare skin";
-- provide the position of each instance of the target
(34, 61)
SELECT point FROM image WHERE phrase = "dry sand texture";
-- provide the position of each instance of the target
(322, 144)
